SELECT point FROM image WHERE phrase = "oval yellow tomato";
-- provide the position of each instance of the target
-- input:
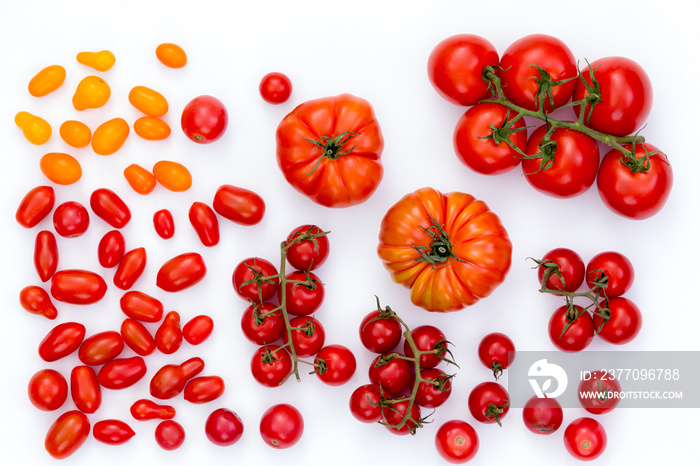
(35, 129)
(148, 101)
(47, 80)
(172, 175)
(60, 168)
(141, 180)
(110, 136)
(171, 55)
(152, 128)
(75, 133)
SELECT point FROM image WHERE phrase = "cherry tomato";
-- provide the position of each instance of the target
(571, 333)
(61, 168)
(391, 372)
(102, 60)
(393, 413)
(275, 88)
(308, 335)
(47, 390)
(611, 271)
(47, 80)
(223, 427)
(456, 67)
(181, 272)
(335, 364)
(61, 341)
(239, 205)
(205, 223)
(305, 252)
(364, 403)
(435, 388)
(130, 268)
(198, 329)
(564, 269)
(281, 426)
(271, 365)
(173, 176)
(148, 101)
(599, 392)
(77, 286)
(36, 300)
(111, 248)
(112, 432)
(489, 402)
(621, 324)
(585, 438)
(146, 410)
(457, 441)
(304, 293)
(67, 434)
(141, 306)
(164, 223)
(91, 92)
(204, 119)
(427, 338)
(110, 207)
(542, 415)
(71, 219)
(171, 55)
(171, 379)
(34, 128)
(496, 351)
(168, 336)
(110, 136)
(101, 347)
(75, 133)
(380, 332)
(152, 128)
(137, 337)
(35, 206)
(45, 255)
(262, 324)
(170, 435)
(255, 279)
(204, 389)
(121, 372)
(85, 390)
(141, 180)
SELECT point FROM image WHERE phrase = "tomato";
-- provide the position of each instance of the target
(204, 389)
(110, 207)
(112, 432)
(146, 410)
(456, 441)
(164, 223)
(611, 271)
(173, 176)
(92, 92)
(255, 279)
(35, 206)
(392, 372)
(427, 338)
(101, 347)
(489, 402)
(275, 88)
(393, 414)
(45, 255)
(481, 147)
(71, 219)
(571, 333)
(152, 128)
(308, 335)
(621, 323)
(100, 61)
(61, 168)
(67, 434)
(141, 180)
(110, 249)
(204, 119)
(496, 351)
(61, 341)
(75, 133)
(137, 337)
(34, 299)
(364, 403)
(271, 365)
(110, 136)
(205, 223)
(130, 268)
(585, 439)
(148, 101)
(521, 80)
(171, 55)
(638, 192)
(380, 331)
(47, 390)
(542, 415)
(85, 390)
(77, 286)
(329, 149)
(564, 270)
(170, 435)
(281, 426)
(305, 252)
(168, 336)
(171, 379)
(456, 67)
(449, 249)
(262, 323)
(34, 128)
(198, 329)
(434, 389)
(121, 372)
(223, 427)
(181, 272)
(304, 293)
(603, 392)
(141, 306)
(239, 205)
(335, 364)
(624, 95)
(46, 80)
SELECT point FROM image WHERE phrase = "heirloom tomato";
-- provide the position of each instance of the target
(449, 249)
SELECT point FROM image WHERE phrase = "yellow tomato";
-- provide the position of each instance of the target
(171, 55)
(148, 101)
(75, 133)
(92, 92)
(172, 175)
(141, 180)
(110, 136)
(100, 61)
(152, 128)
(35, 129)
(47, 80)
(60, 168)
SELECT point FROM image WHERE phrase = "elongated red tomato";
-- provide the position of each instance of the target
(77, 286)
(449, 249)
(205, 223)
(110, 207)
(168, 336)
(130, 268)
(112, 431)
(239, 205)
(164, 223)
(122, 372)
(67, 434)
(137, 337)
(61, 341)
(35, 206)
(197, 329)
(101, 347)
(45, 255)
(36, 300)
(329, 149)
(141, 306)
(204, 389)
(85, 390)
(180, 272)
(110, 249)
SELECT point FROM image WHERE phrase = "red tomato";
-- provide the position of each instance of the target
(304, 293)
(168, 336)
(67, 434)
(171, 379)
(275, 88)
(101, 348)
(427, 338)
(71, 219)
(457, 441)
(304, 251)
(281, 426)
(204, 119)
(36, 300)
(146, 410)
(204, 389)
(45, 255)
(380, 331)
(542, 415)
(140, 306)
(255, 279)
(47, 390)
(496, 351)
(137, 337)
(489, 402)
(206, 225)
(611, 271)
(112, 432)
(391, 372)
(482, 148)
(223, 427)
(395, 419)
(85, 390)
(335, 364)
(564, 270)
(61, 341)
(262, 323)
(585, 439)
(170, 435)
(329, 149)
(111, 248)
(456, 67)
(164, 223)
(308, 335)
(197, 329)
(621, 324)
(110, 207)
(130, 268)
(624, 95)
(571, 333)
(271, 365)
(180, 272)
(637, 188)
(364, 403)
(434, 389)
(239, 205)
(602, 392)
(35, 206)
(121, 372)
(77, 286)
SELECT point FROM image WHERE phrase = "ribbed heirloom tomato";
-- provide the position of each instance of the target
(449, 249)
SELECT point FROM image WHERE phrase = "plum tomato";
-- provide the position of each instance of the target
(457, 441)
(110, 136)
(239, 205)
(489, 402)
(111, 248)
(335, 364)
(364, 403)
(601, 391)
(101, 347)
(75, 133)
(85, 389)
(71, 219)
(137, 337)
(112, 431)
(571, 332)
(542, 415)
(612, 271)
(61, 341)
(304, 293)
(255, 279)
(620, 323)
(76, 286)
(271, 365)
(170, 380)
(427, 338)
(148, 101)
(281, 426)
(205, 223)
(35, 206)
(67, 434)
(561, 269)
(173, 176)
(197, 329)
(168, 336)
(204, 119)
(46, 80)
(164, 223)
(223, 427)
(308, 335)
(141, 180)
(181, 272)
(305, 251)
(496, 351)
(47, 390)
(130, 268)
(275, 88)
(36, 300)
(141, 306)
(204, 389)
(171, 55)
(170, 435)
(152, 128)
(61, 168)
(585, 439)
(110, 207)
(121, 373)
(263, 323)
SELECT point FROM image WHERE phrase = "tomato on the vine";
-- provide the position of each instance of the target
(571, 332)
(308, 335)
(496, 351)
(392, 372)
(611, 271)
(271, 365)
(305, 253)
(599, 393)
(435, 389)
(281, 426)
(457, 441)
(564, 270)
(275, 88)
(489, 402)
(255, 279)
(364, 403)
(262, 323)
(621, 323)
(204, 119)
(393, 413)
(427, 338)
(542, 415)
(380, 332)
(585, 439)
(304, 293)
(335, 364)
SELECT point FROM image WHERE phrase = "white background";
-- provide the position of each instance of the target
(376, 50)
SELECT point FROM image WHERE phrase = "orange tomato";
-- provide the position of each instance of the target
(100, 61)
(60, 168)
(172, 175)
(109, 137)
(141, 180)
(148, 101)
(47, 80)
(75, 133)
(152, 128)
(35, 129)
(92, 92)
(171, 55)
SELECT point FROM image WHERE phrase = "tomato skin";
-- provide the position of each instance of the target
(112, 432)
(615, 267)
(110, 249)
(146, 410)
(61, 341)
(281, 426)
(198, 329)
(76, 286)
(110, 136)
(45, 255)
(67, 434)
(585, 439)
(204, 389)
(101, 347)
(308, 335)
(635, 195)
(137, 337)
(36, 300)
(71, 219)
(35, 206)
(624, 323)
(121, 373)
(205, 223)
(337, 364)
(270, 365)
(181, 272)
(332, 174)
(364, 403)
(141, 306)
(171, 55)
(110, 207)
(170, 435)
(255, 268)
(46, 80)
(496, 351)
(484, 398)
(164, 223)
(542, 415)
(85, 390)
(570, 266)
(168, 336)
(579, 333)
(141, 180)
(457, 441)
(427, 338)
(148, 101)
(275, 88)
(393, 413)
(429, 395)
(391, 372)
(262, 324)
(223, 427)
(47, 390)
(599, 382)
(61, 168)
(130, 268)
(204, 119)
(307, 254)
(239, 205)
(456, 66)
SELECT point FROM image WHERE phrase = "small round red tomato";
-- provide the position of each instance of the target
(571, 332)
(112, 432)
(281, 426)
(457, 441)
(380, 331)
(35, 206)
(111, 248)
(335, 364)
(635, 186)
(130, 268)
(110, 207)
(137, 337)
(262, 323)
(271, 365)
(485, 149)
(585, 438)
(204, 389)
(598, 392)
(36, 300)
(47, 390)
(393, 414)
(621, 323)
(611, 271)
(542, 415)
(561, 269)
(308, 335)
(164, 223)
(77, 286)
(101, 347)
(204, 119)
(456, 67)
(205, 223)
(496, 351)
(427, 338)
(180, 272)
(239, 205)
(198, 329)
(170, 435)
(45, 255)
(391, 372)
(304, 293)
(121, 372)
(306, 250)
(434, 389)
(223, 427)
(489, 402)
(67, 434)
(275, 88)
(255, 279)
(61, 341)
(85, 389)
(145, 410)
(364, 403)
(168, 336)
(71, 219)
(141, 306)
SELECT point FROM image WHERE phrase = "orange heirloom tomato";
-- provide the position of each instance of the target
(152, 128)
(47, 80)
(141, 180)
(329, 149)
(449, 249)
(172, 175)
(171, 55)
(75, 133)
(148, 101)
(60, 168)
(35, 129)
(110, 136)
(92, 92)
(100, 61)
